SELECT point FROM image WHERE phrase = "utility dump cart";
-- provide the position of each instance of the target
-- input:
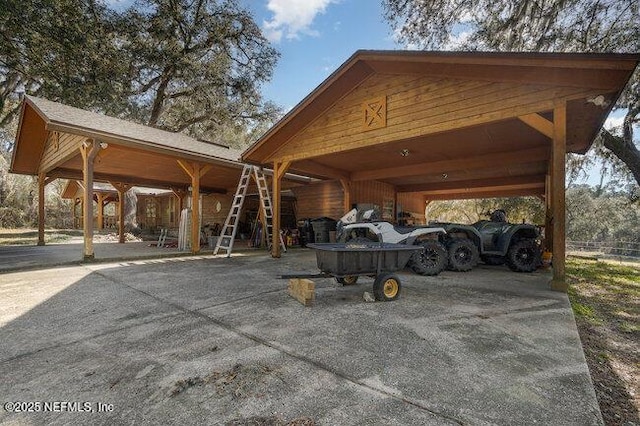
(348, 261)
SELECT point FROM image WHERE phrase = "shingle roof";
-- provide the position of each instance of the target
(63, 117)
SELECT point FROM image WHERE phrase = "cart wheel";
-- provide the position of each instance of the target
(348, 280)
(386, 287)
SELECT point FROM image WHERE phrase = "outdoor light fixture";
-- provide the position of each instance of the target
(599, 100)
(404, 152)
(444, 176)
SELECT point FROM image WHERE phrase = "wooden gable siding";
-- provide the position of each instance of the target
(59, 148)
(419, 106)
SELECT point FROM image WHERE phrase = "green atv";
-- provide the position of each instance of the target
(493, 241)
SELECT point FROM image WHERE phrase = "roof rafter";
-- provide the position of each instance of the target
(104, 177)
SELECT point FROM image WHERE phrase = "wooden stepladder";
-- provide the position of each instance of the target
(228, 233)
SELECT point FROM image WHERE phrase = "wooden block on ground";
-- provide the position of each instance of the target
(303, 290)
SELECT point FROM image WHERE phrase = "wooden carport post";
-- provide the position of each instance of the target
(42, 181)
(548, 223)
(279, 169)
(346, 188)
(195, 171)
(100, 196)
(89, 150)
(558, 195)
(179, 193)
(122, 188)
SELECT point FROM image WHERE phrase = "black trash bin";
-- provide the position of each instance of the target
(322, 227)
(306, 232)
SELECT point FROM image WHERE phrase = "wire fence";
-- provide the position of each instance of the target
(621, 249)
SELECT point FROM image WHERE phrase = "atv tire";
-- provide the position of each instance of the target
(493, 260)
(524, 256)
(431, 261)
(463, 255)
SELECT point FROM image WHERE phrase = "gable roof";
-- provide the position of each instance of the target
(55, 116)
(472, 118)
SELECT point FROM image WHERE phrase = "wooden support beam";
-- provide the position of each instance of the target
(195, 171)
(122, 188)
(279, 169)
(548, 216)
(100, 200)
(539, 123)
(195, 209)
(132, 180)
(495, 193)
(537, 188)
(558, 196)
(314, 169)
(346, 189)
(42, 182)
(89, 150)
(180, 194)
(510, 182)
(529, 155)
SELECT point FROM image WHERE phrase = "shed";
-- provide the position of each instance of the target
(445, 125)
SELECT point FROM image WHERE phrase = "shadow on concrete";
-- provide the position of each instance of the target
(23, 257)
(218, 340)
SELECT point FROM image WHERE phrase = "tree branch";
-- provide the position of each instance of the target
(625, 150)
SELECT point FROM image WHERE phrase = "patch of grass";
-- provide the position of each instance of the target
(627, 327)
(605, 298)
(21, 237)
(586, 312)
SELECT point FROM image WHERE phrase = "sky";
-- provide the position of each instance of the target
(314, 37)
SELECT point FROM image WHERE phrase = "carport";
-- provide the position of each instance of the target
(60, 141)
(446, 125)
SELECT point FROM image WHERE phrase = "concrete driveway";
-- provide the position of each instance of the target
(218, 341)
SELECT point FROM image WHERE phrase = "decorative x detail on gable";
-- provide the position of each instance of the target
(374, 112)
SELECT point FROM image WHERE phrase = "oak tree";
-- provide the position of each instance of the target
(535, 25)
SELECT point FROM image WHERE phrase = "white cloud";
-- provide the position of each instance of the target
(292, 17)
(614, 123)
(457, 40)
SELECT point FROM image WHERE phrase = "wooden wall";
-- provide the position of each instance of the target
(166, 211)
(414, 204)
(59, 148)
(248, 214)
(209, 214)
(327, 198)
(319, 199)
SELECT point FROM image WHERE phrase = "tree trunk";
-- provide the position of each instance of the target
(625, 150)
